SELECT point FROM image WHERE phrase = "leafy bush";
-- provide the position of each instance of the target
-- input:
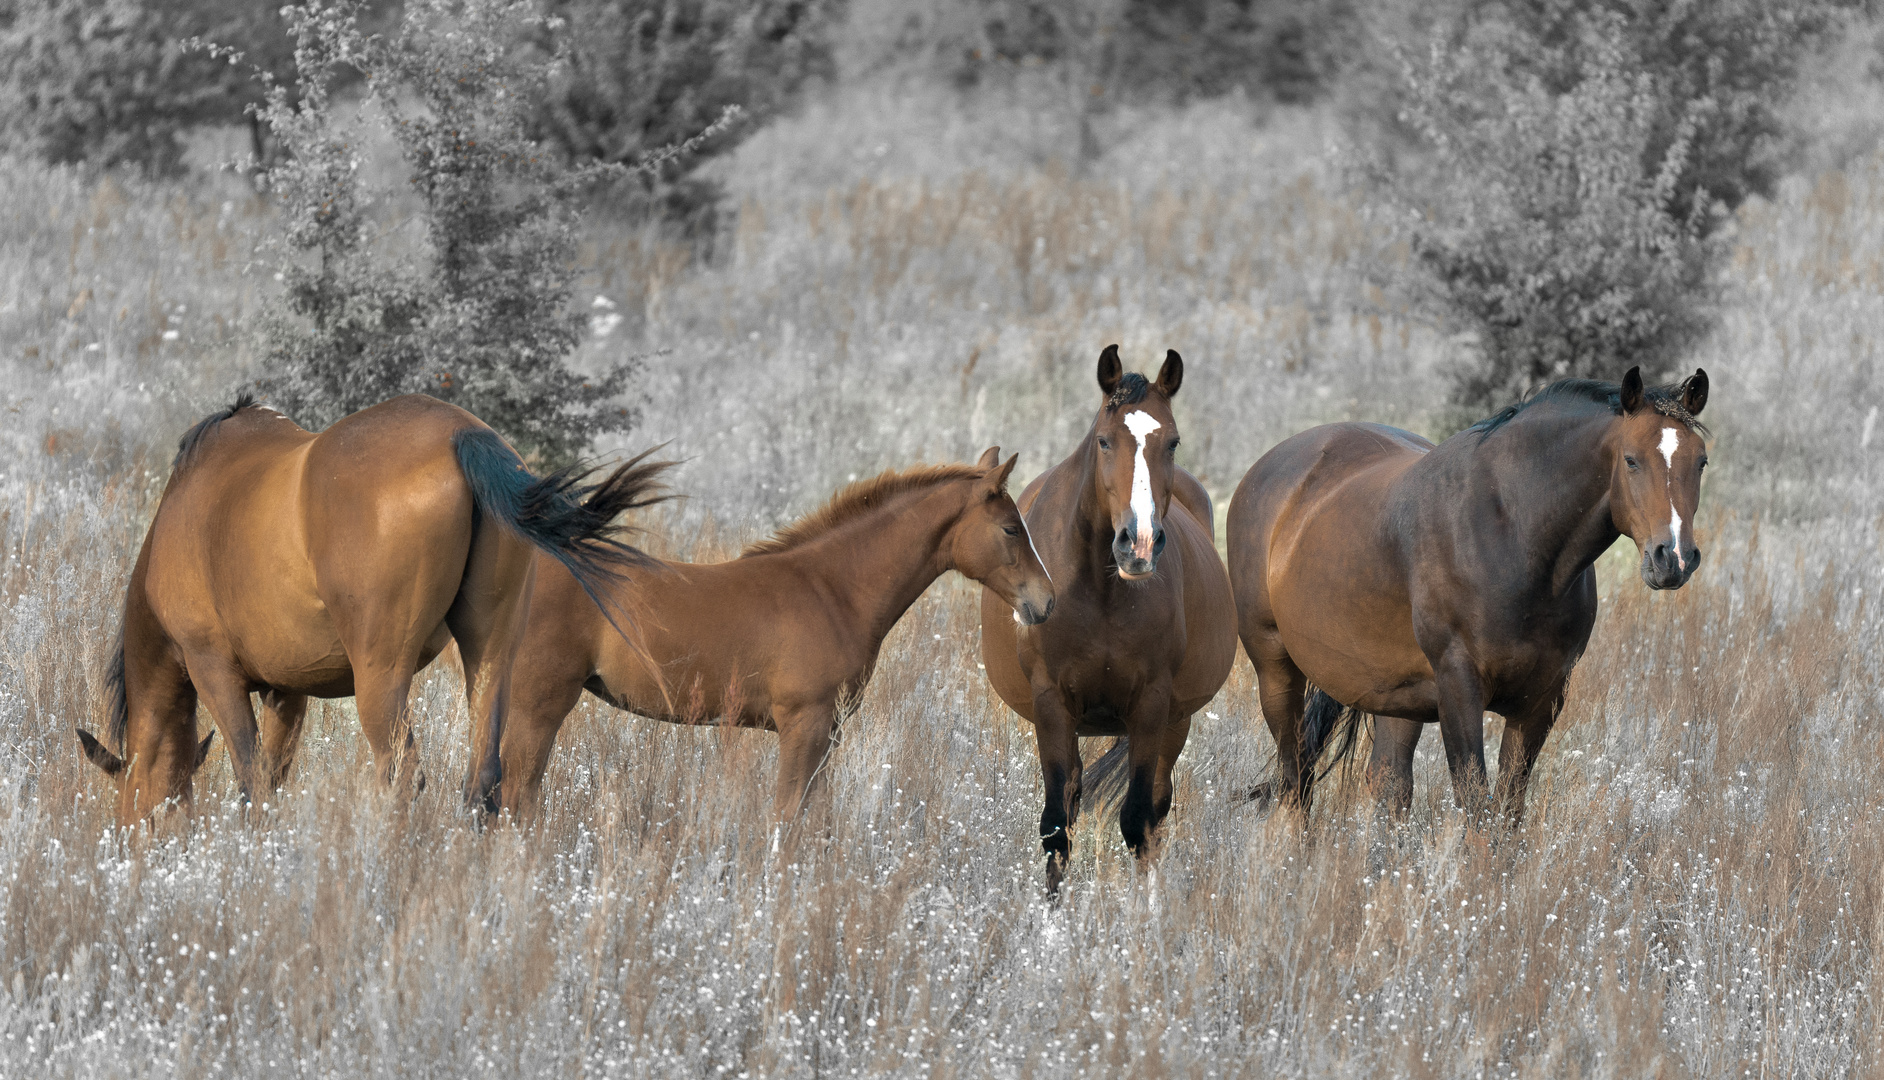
(1577, 159)
(639, 75)
(109, 81)
(479, 314)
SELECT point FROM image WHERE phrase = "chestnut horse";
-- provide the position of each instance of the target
(325, 565)
(1379, 574)
(779, 636)
(1146, 631)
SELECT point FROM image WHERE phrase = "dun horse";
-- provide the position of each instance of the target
(1378, 574)
(776, 637)
(325, 565)
(1145, 634)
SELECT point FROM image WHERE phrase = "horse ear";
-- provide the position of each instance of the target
(1171, 375)
(96, 753)
(998, 478)
(1694, 392)
(989, 458)
(1110, 370)
(202, 749)
(1632, 390)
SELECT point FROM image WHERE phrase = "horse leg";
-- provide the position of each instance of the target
(1391, 770)
(226, 693)
(487, 619)
(1056, 739)
(1524, 739)
(1147, 725)
(1462, 725)
(804, 741)
(541, 697)
(1177, 731)
(381, 689)
(1282, 687)
(282, 715)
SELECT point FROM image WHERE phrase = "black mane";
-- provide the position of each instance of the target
(187, 445)
(1130, 391)
(1663, 399)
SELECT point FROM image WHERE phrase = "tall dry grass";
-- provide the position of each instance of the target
(1696, 892)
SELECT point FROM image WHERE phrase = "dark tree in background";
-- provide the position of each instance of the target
(640, 75)
(1569, 164)
(467, 300)
(109, 81)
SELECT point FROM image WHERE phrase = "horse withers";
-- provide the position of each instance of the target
(1145, 631)
(302, 565)
(776, 638)
(1379, 574)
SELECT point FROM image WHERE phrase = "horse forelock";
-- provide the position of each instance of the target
(1131, 390)
(193, 438)
(857, 499)
(1665, 399)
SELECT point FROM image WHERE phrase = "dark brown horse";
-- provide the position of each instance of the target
(1145, 633)
(325, 565)
(777, 637)
(1382, 575)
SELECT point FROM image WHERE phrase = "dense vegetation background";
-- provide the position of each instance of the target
(909, 240)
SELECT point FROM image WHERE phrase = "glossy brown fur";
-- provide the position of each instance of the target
(1123, 655)
(299, 565)
(1427, 584)
(778, 637)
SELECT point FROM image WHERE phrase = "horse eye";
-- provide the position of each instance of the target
(1702, 467)
(1174, 443)
(1105, 443)
(1011, 530)
(1629, 460)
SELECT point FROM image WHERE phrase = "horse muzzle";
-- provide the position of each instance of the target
(1033, 614)
(1135, 553)
(1665, 568)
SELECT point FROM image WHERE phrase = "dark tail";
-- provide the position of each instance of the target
(1103, 782)
(1329, 729)
(118, 715)
(570, 521)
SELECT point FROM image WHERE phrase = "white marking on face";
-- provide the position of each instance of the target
(1671, 441)
(1141, 424)
(1029, 534)
(1674, 526)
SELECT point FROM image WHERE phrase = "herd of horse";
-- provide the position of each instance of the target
(1371, 574)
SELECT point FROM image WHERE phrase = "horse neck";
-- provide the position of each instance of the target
(1088, 538)
(880, 562)
(1566, 455)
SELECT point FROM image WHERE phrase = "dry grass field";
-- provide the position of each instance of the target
(1699, 890)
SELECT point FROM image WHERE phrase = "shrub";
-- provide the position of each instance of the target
(477, 313)
(644, 74)
(108, 81)
(1576, 159)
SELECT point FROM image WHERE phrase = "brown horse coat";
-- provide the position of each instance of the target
(1428, 584)
(1145, 631)
(777, 637)
(302, 565)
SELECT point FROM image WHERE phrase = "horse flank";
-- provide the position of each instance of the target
(856, 500)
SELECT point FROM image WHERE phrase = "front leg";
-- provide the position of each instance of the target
(1462, 725)
(1524, 738)
(804, 741)
(1057, 739)
(1148, 793)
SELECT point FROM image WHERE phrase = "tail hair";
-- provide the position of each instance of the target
(118, 710)
(1103, 782)
(1331, 730)
(571, 521)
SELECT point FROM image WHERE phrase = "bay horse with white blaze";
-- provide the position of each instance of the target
(1146, 630)
(1379, 574)
(302, 565)
(777, 637)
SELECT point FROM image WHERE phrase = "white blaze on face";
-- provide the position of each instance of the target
(1671, 441)
(1140, 424)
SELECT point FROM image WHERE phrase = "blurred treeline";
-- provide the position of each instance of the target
(1559, 172)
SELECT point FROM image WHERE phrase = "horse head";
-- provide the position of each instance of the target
(1655, 484)
(144, 786)
(990, 544)
(1134, 447)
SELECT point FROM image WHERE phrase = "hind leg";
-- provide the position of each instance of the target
(487, 620)
(282, 715)
(1281, 687)
(1390, 770)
